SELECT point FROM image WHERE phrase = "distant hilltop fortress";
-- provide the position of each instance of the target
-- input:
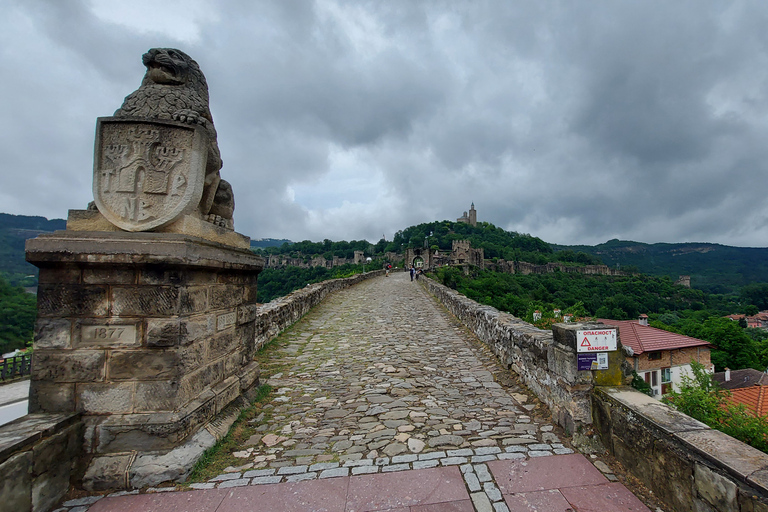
(470, 219)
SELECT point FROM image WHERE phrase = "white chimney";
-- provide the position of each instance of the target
(727, 375)
(643, 320)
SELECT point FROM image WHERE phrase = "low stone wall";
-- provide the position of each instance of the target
(38, 454)
(546, 364)
(685, 463)
(276, 316)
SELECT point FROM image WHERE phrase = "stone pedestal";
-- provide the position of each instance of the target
(150, 337)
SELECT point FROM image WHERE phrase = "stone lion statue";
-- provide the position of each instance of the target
(174, 88)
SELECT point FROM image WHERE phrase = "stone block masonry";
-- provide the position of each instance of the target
(150, 337)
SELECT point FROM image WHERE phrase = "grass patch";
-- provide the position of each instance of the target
(219, 456)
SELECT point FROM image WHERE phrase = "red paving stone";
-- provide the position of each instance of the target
(328, 495)
(543, 473)
(386, 491)
(424, 490)
(453, 506)
(195, 501)
(562, 483)
(603, 498)
(537, 501)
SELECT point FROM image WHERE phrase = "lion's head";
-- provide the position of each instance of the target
(168, 66)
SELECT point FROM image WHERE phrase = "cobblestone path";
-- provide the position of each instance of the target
(380, 378)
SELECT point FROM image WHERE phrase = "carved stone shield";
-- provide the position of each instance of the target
(146, 172)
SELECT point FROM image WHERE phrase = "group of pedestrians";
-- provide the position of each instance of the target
(415, 273)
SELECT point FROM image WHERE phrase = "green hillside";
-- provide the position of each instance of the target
(14, 231)
(714, 268)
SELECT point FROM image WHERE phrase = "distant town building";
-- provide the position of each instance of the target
(661, 357)
(470, 218)
(758, 321)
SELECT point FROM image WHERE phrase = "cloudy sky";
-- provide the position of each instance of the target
(576, 122)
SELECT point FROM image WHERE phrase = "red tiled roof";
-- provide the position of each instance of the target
(754, 398)
(643, 338)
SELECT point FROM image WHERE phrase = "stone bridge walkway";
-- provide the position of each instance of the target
(388, 403)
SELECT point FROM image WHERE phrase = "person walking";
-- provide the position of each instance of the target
(413, 271)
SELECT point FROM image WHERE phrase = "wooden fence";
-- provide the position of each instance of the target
(13, 367)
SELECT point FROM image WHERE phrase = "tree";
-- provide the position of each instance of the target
(701, 398)
(18, 310)
(734, 348)
(757, 294)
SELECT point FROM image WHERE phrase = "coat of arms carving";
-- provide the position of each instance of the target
(147, 173)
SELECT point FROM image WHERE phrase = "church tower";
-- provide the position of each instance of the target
(472, 215)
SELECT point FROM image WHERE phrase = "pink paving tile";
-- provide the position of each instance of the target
(384, 491)
(537, 501)
(327, 495)
(542, 473)
(191, 501)
(453, 506)
(603, 498)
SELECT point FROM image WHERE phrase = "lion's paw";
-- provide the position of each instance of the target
(188, 116)
(220, 221)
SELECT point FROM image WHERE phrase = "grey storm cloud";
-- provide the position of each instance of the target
(574, 122)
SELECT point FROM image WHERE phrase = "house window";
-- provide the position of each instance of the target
(654, 356)
(666, 375)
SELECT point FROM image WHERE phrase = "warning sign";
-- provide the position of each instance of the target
(602, 340)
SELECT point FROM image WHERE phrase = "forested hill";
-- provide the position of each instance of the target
(714, 268)
(14, 231)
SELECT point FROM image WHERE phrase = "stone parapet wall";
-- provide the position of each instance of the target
(525, 268)
(685, 463)
(38, 458)
(546, 363)
(276, 316)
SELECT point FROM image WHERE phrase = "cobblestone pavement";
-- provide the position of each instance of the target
(382, 379)
(379, 378)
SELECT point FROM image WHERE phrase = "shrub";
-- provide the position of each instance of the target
(701, 398)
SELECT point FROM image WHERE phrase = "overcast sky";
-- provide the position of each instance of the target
(576, 122)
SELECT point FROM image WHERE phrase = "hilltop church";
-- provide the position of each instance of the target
(470, 219)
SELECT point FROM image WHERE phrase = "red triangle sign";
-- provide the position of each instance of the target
(585, 343)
